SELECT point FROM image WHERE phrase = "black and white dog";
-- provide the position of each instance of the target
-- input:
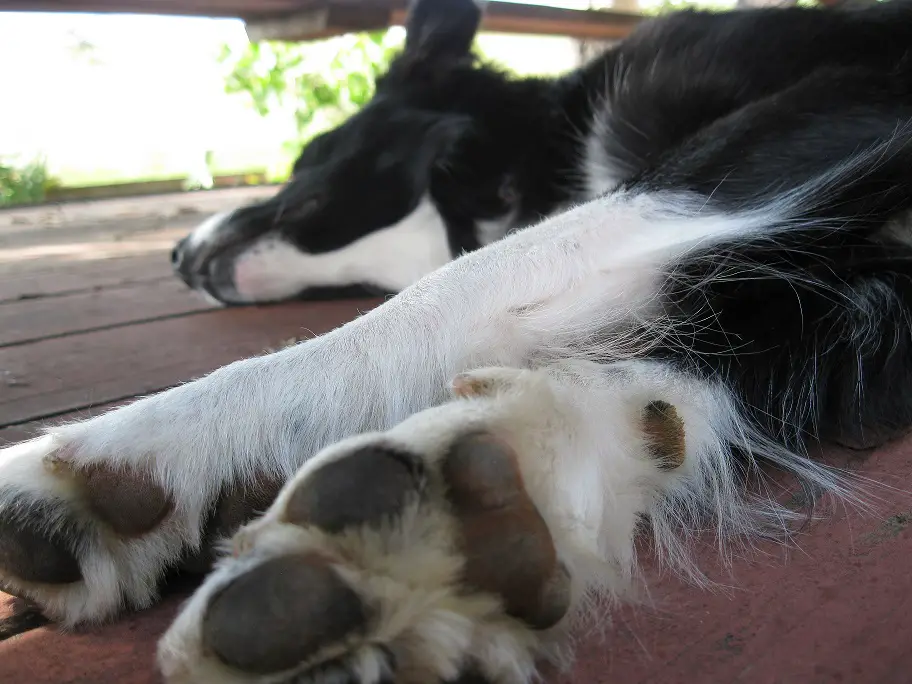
(722, 276)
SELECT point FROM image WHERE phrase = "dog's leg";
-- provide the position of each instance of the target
(93, 513)
(468, 537)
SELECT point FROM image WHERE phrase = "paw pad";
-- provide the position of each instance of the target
(30, 553)
(365, 488)
(507, 546)
(299, 605)
(485, 382)
(664, 431)
(129, 501)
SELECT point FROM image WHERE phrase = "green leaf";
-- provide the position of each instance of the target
(323, 82)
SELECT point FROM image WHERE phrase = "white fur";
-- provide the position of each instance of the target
(521, 300)
(544, 419)
(489, 230)
(577, 431)
(601, 171)
(391, 258)
(205, 231)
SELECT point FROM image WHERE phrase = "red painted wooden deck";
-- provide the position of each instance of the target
(90, 316)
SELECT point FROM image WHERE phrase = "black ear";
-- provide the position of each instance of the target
(439, 135)
(442, 29)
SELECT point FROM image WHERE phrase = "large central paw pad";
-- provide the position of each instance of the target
(127, 500)
(382, 563)
(508, 549)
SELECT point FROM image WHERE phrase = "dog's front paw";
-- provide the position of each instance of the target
(452, 548)
(81, 538)
(90, 520)
(413, 556)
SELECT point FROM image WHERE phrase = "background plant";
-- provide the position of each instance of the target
(316, 84)
(23, 182)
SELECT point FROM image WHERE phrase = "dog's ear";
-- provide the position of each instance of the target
(439, 135)
(442, 29)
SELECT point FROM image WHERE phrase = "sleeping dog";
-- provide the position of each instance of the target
(623, 293)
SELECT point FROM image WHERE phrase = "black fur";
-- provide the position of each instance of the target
(674, 77)
(810, 327)
(440, 124)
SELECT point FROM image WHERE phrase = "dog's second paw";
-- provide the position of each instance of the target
(413, 556)
(383, 564)
(444, 550)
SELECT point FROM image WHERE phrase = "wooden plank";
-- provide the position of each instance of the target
(35, 319)
(82, 257)
(49, 217)
(82, 246)
(556, 21)
(76, 277)
(121, 652)
(21, 248)
(148, 187)
(58, 375)
(25, 431)
(27, 249)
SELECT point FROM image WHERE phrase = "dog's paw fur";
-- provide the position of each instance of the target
(437, 551)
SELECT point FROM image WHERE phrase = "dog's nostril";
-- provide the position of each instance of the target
(177, 254)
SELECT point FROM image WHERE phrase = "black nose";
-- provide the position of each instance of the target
(180, 263)
(177, 254)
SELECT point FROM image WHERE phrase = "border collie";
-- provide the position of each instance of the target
(716, 276)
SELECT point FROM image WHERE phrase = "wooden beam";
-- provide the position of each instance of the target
(333, 17)
(201, 8)
(311, 19)
(325, 20)
(538, 19)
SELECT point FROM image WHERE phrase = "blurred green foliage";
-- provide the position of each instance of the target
(24, 182)
(321, 83)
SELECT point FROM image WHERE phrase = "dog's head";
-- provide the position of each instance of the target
(363, 204)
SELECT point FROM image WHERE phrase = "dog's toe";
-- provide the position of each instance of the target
(33, 548)
(364, 488)
(280, 614)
